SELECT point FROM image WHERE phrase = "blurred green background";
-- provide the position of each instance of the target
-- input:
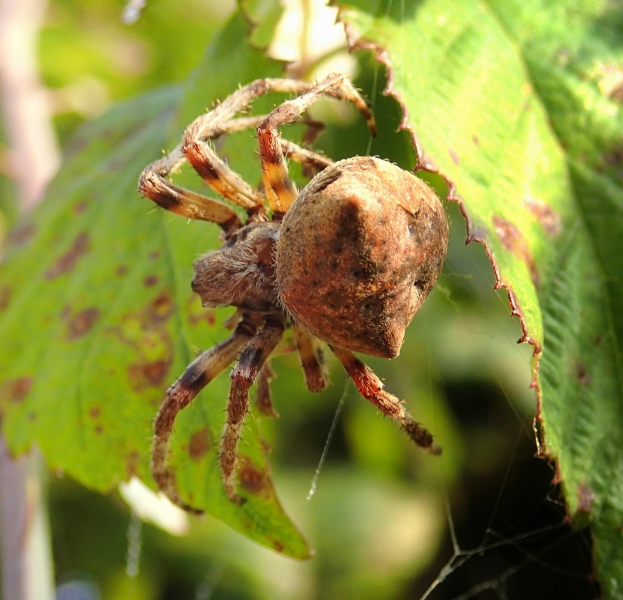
(379, 520)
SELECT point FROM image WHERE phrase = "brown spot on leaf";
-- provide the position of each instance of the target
(253, 480)
(200, 443)
(16, 390)
(151, 280)
(132, 462)
(154, 255)
(197, 314)
(79, 208)
(613, 157)
(612, 161)
(95, 412)
(81, 323)
(454, 156)
(121, 270)
(586, 497)
(148, 374)
(146, 333)
(5, 297)
(68, 260)
(476, 140)
(278, 546)
(21, 234)
(98, 429)
(557, 475)
(547, 216)
(583, 376)
(161, 307)
(513, 240)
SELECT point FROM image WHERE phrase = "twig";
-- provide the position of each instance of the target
(26, 561)
(13, 524)
(34, 149)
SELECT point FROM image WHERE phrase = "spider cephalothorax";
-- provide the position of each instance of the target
(348, 261)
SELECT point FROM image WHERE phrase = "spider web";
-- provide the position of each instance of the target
(526, 547)
(508, 535)
(515, 540)
(507, 532)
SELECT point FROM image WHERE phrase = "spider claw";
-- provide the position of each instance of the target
(435, 450)
(422, 437)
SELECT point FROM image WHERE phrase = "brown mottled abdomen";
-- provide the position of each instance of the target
(358, 253)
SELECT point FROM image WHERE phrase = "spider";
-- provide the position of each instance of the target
(347, 261)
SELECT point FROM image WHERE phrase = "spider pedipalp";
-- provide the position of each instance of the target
(347, 261)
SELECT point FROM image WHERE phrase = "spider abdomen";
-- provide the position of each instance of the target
(358, 253)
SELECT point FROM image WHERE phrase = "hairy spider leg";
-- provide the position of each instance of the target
(213, 170)
(192, 205)
(226, 182)
(153, 185)
(313, 161)
(371, 388)
(196, 376)
(279, 188)
(243, 375)
(312, 359)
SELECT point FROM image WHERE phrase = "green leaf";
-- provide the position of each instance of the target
(513, 103)
(97, 316)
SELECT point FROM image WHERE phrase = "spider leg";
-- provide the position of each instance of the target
(312, 359)
(229, 184)
(196, 149)
(371, 388)
(243, 375)
(280, 190)
(153, 185)
(219, 120)
(214, 171)
(221, 178)
(197, 375)
(303, 155)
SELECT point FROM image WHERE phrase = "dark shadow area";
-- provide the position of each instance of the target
(510, 523)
